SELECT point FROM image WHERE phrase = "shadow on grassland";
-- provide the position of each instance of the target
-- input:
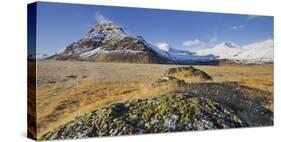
(254, 106)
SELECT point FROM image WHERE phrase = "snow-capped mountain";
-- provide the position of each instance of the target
(225, 50)
(107, 42)
(261, 52)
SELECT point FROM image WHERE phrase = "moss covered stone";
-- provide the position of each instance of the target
(166, 113)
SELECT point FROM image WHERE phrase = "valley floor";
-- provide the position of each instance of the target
(67, 89)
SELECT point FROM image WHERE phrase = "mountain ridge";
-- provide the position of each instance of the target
(107, 42)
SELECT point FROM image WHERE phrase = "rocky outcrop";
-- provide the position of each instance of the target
(187, 74)
(166, 113)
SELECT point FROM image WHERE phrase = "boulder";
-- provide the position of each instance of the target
(188, 74)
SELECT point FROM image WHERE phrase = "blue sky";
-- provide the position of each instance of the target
(58, 25)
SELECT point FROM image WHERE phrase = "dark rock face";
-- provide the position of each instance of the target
(126, 43)
(166, 113)
(128, 50)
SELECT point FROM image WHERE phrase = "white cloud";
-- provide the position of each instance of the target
(213, 39)
(192, 42)
(100, 18)
(195, 44)
(237, 27)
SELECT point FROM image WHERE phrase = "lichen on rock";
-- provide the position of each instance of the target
(165, 113)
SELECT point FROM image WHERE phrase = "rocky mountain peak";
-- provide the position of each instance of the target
(107, 28)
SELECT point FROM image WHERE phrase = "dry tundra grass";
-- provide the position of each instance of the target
(67, 89)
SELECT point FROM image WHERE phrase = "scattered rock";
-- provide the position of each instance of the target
(168, 79)
(71, 76)
(51, 81)
(84, 76)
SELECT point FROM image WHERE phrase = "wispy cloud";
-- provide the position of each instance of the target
(250, 17)
(100, 18)
(214, 39)
(237, 27)
(195, 44)
(192, 42)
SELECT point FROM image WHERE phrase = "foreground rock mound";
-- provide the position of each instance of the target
(166, 113)
(188, 74)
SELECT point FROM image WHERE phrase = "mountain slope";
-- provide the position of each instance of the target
(260, 52)
(225, 50)
(182, 56)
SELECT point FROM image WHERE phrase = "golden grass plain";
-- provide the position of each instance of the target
(67, 89)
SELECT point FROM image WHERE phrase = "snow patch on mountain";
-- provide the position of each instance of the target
(90, 53)
(99, 51)
(163, 46)
(106, 31)
(161, 52)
